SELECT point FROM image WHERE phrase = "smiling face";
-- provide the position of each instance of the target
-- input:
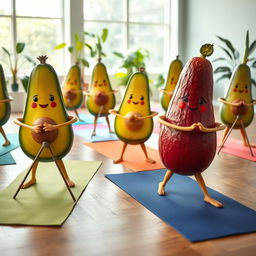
(37, 103)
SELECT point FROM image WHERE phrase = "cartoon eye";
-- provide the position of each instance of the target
(236, 86)
(51, 98)
(75, 81)
(142, 98)
(246, 87)
(130, 97)
(185, 98)
(202, 101)
(35, 98)
(104, 81)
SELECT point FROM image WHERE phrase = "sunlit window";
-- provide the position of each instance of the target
(132, 24)
(37, 23)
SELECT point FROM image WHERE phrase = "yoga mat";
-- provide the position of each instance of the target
(134, 158)
(7, 159)
(13, 138)
(87, 126)
(183, 207)
(236, 148)
(88, 119)
(48, 203)
(102, 134)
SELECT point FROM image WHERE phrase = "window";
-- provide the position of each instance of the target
(37, 23)
(132, 24)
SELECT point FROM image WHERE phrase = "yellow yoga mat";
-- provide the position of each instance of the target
(47, 203)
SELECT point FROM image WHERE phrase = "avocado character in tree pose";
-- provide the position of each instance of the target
(134, 119)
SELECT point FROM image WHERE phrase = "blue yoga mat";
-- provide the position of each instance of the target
(88, 119)
(102, 134)
(7, 159)
(13, 138)
(183, 207)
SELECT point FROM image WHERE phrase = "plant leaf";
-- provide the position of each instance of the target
(29, 60)
(20, 47)
(252, 47)
(6, 51)
(228, 44)
(79, 46)
(85, 63)
(104, 35)
(253, 65)
(222, 69)
(227, 52)
(77, 37)
(119, 54)
(89, 34)
(60, 46)
(71, 49)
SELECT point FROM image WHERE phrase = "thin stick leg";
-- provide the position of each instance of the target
(245, 137)
(146, 154)
(29, 170)
(207, 197)
(7, 142)
(227, 134)
(161, 185)
(107, 120)
(61, 172)
(77, 115)
(120, 159)
(95, 122)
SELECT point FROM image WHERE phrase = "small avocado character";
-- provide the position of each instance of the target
(5, 106)
(172, 79)
(45, 122)
(237, 108)
(72, 90)
(134, 119)
(101, 97)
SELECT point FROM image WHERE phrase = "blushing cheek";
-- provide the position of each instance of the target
(142, 103)
(33, 105)
(246, 91)
(203, 108)
(128, 101)
(182, 104)
(53, 104)
(234, 90)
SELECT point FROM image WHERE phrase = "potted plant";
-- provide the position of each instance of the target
(14, 62)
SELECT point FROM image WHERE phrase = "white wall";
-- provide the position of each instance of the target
(204, 19)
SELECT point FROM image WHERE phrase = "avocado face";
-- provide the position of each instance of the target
(135, 101)
(100, 85)
(172, 79)
(239, 89)
(44, 100)
(72, 82)
(5, 108)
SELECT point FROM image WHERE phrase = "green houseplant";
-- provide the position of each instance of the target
(14, 62)
(231, 58)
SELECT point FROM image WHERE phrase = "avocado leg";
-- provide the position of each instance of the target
(146, 154)
(7, 142)
(120, 159)
(77, 115)
(32, 181)
(161, 185)
(64, 172)
(207, 197)
(108, 123)
(246, 139)
(95, 121)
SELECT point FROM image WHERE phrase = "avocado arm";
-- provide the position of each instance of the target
(166, 92)
(87, 93)
(6, 100)
(218, 127)
(114, 112)
(111, 92)
(149, 116)
(180, 128)
(35, 128)
(237, 104)
(50, 127)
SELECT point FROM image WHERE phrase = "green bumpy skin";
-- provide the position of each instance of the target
(138, 88)
(5, 107)
(100, 83)
(44, 83)
(239, 88)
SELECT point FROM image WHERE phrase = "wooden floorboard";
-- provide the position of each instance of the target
(107, 221)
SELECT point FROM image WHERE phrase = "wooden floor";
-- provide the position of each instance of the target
(107, 221)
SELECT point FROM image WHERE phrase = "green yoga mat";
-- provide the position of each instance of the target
(47, 203)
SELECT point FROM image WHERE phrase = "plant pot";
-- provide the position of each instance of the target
(15, 87)
(19, 100)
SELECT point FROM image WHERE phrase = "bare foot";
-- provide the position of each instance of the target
(151, 161)
(161, 191)
(93, 133)
(213, 202)
(7, 143)
(29, 183)
(70, 183)
(252, 145)
(119, 160)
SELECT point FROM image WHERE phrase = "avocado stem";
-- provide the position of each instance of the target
(42, 59)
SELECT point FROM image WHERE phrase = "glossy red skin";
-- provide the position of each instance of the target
(182, 152)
